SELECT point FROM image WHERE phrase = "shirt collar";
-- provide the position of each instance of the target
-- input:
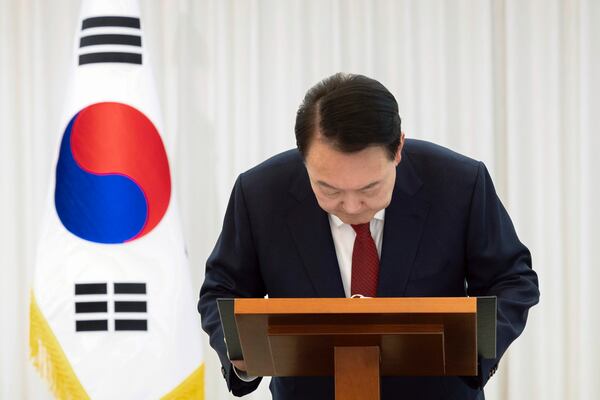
(379, 215)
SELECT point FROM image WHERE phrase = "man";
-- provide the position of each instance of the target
(358, 209)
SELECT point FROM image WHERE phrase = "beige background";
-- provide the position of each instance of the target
(511, 82)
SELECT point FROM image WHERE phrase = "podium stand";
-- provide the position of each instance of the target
(357, 340)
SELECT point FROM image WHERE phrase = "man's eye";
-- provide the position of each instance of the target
(369, 190)
(332, 193)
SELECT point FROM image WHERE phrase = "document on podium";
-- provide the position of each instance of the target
(230, 331)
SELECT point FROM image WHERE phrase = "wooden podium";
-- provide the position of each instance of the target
(358, 340)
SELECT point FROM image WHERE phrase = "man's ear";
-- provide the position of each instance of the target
(398, 156)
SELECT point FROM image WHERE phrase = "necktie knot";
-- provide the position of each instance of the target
(362, 229)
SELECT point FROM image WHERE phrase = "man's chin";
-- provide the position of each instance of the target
(354, 220)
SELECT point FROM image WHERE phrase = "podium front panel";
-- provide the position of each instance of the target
(297, 337)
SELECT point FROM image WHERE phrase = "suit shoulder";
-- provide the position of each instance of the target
(445, 173)
(432, 157)
(276, 171)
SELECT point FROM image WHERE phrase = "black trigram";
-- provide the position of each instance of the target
(123, 303)
(99, 307)
(128, 306)
(111, 31)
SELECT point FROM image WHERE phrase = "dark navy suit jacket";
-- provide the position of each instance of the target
(446, 233)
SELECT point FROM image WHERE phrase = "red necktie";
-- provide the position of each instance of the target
(365, 262)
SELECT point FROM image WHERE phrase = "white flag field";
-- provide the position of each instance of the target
(112, 311)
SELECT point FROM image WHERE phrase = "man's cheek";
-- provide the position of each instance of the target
(325, 204)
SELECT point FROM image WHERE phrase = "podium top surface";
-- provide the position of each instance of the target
(363, 305)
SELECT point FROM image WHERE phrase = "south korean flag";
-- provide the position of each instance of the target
(112, 312)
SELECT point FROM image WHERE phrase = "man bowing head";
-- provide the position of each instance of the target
(358, 210)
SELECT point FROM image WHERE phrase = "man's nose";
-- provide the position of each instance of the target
(352, 205)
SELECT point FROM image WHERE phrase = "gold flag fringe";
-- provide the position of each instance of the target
(52, 364)
(191, 388)
(49, 358)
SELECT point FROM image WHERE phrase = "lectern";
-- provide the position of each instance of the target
(357, 340)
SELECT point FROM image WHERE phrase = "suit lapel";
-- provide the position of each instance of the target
(403, 226)
(310, 229)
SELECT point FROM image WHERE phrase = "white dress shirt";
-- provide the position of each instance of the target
(343, 240)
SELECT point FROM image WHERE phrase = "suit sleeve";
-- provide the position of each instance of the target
(231, 271)
(498, 264)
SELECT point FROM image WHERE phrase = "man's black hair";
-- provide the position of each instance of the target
(350, 111)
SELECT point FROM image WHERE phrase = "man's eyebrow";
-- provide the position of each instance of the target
(328, 186)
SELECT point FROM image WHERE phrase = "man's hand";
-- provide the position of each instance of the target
(239, 364)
